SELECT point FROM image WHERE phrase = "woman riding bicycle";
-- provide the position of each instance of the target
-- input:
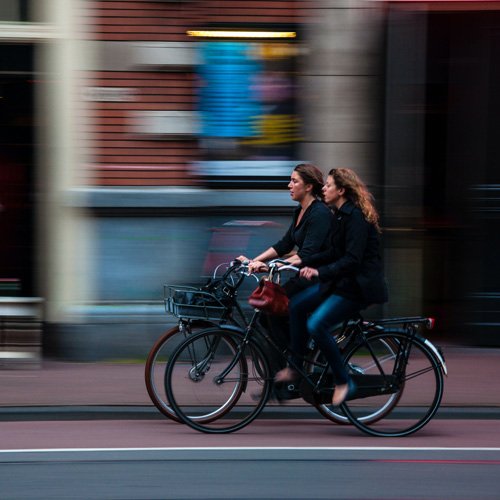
(350, 278)
(309, 230)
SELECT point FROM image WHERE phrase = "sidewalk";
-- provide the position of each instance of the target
(472, 382)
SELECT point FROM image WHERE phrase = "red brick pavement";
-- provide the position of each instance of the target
(472, 382)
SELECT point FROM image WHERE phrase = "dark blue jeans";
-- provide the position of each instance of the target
(314, 315)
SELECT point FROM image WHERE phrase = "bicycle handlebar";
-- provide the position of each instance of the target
(272, 264)
(285, 267)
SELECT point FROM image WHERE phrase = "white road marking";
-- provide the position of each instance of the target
(255, 448)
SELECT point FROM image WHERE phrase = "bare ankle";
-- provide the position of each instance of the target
(286, 375)
(340, 394)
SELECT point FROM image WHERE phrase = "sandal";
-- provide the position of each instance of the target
(287, 375)
(342, 392)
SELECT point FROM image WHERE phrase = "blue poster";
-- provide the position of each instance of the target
(228, 104)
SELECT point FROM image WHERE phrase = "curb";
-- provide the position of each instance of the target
(84, 413)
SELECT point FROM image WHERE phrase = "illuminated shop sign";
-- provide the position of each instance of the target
(242, 34)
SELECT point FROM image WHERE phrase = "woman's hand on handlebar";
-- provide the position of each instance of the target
(253, 266)
(256, 266)
(309, 273)
(294, 260)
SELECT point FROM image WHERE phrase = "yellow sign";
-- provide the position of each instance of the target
(276, 129)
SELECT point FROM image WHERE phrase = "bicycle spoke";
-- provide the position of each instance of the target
(417, 373)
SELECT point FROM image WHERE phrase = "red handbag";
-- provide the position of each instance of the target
(270, 298)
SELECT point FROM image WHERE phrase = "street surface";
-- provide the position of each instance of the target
(271, 458)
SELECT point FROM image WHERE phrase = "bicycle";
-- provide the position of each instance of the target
(205, 311)
(399, 375)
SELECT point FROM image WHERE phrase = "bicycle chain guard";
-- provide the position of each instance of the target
(366, 386)
(316, 396)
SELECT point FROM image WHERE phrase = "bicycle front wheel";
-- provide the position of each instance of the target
(156, 364)
(412, 378)
(213, 373)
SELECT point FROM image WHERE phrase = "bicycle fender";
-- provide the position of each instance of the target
(437, 352)
(438, 355)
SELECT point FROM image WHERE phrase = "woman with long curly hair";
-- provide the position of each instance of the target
(350, 279)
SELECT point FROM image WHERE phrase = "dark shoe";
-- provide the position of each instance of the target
(287, 388)
(274, 395)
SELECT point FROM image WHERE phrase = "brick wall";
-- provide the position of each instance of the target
(120, 155)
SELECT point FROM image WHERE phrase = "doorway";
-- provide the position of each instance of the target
(16, 170)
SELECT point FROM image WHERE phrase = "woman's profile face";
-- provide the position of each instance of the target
(298, 188)
(331, 192)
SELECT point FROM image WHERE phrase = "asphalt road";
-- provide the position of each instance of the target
(270, 459)
(293, 473)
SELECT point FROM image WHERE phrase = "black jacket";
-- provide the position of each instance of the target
(311, 235)
(351, 267)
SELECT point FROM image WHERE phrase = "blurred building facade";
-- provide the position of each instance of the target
(144, 153)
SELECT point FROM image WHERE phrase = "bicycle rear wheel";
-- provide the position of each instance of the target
(418, 391)
(386, 350)
(156, 364)
(213, 373)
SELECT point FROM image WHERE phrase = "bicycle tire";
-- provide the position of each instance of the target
(206, 372)
(156, 362)
(334, 413)
(421, 389)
